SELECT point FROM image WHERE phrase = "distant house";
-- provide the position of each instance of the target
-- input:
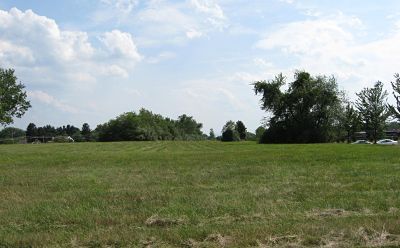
(392, 134)
(388, 134)
(360, 135)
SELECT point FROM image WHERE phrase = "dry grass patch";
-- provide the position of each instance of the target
(155, 220)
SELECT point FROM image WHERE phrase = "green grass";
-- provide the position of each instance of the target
(200, 194)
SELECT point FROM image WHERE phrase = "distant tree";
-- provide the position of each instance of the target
(259, 132)
(229, 132)
(31, 132)
(9, 134)
(188, 126)
(212, 134)
(146, 126)
(251, 136)
(241, 129)
(86, 132)
(371, 104)
(78, 137)
(351, 122)
(304, 113)
(13, 101)
(395, 110)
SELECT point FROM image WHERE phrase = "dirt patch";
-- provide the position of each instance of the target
(155, 220)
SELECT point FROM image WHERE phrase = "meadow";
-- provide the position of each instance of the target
(199, 194)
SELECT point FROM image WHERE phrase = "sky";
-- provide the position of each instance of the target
(90, 61)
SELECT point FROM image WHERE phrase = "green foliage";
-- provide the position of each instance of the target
(371, 104)
(146, 126)
(229, 132)
(10, 132)
(351, 122)
(395, 110)
(86, 132)
(241, 129)
(251, 136)
(305, 113)
(259, 132)
(13, 101)
(11, 135)
(212, 135)
(46, 133)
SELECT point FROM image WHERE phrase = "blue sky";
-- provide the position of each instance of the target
(89, 61)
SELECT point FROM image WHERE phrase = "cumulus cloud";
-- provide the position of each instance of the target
(330, 45)
(39, 39)
(42, 51)
(120, 44)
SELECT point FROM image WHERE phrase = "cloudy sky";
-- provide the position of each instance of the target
(89, 61)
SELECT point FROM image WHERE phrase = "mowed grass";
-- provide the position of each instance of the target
(199, 194)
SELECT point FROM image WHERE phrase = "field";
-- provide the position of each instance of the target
(199, 194)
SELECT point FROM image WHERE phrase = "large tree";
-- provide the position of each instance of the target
(304, 113)
(371, 104)
(241, 129)
(13, 102)
(229, 132)
(86, 132)
(395, 110)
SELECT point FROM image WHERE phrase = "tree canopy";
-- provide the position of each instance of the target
(13, 102)
(395, 110)
(146, 126)
(373, 109)
(304, 113)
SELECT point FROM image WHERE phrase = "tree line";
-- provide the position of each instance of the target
(314, 110)
(311, 109)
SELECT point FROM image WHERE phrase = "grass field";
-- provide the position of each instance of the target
(199, 194)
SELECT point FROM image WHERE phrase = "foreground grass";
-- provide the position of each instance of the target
(199, 194)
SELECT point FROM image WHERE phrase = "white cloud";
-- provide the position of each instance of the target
(39, 39)
(120, 44)
(51, 100)
(213, 11)
(42, 52)
(331, 46)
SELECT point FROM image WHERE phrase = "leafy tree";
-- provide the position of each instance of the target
(259, 132)
(31, 132)
(395, 110)
(9, 134)
(351, 122)
(86, 132)
(13, 101)
(148, 126)
(229, 132)
(371, 104)
(251, 136)
(212, 134)
(305, 113)
(241, 129)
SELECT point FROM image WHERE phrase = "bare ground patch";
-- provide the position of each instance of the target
(156, 220)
